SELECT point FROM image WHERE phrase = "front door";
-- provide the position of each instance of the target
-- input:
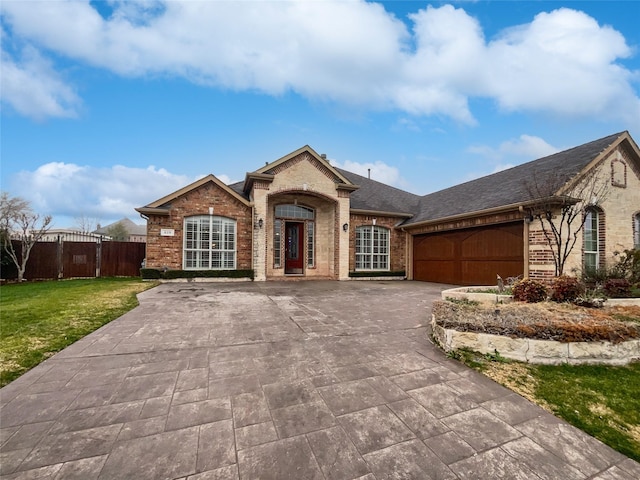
(294, 248)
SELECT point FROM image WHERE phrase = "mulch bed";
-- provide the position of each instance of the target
(542, 321)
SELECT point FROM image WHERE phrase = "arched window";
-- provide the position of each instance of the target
(372, 248)
(591, 249)
(209, 243)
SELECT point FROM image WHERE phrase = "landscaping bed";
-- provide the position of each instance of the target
(541, 321)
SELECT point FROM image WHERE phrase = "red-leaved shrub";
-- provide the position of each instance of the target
(617, 288)
(566, 289)
(530, 291)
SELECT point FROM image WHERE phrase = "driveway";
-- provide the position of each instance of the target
(283, 380)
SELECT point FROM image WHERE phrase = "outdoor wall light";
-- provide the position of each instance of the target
(345, 227)
(260, 223)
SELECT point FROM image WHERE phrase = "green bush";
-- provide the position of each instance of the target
(530, 291)
(154, 273)
(150, 273)
(401, 273)
(617, 288)
(627, 266)
(566, 289)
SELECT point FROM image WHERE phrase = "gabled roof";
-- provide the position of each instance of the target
(508, 187)
(129, 226)
(503, 190)
(161, 206)
(268, 171)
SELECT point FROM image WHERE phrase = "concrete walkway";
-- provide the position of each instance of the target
(286, 380)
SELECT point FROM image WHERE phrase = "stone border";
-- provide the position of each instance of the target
(468, 293)
(545, 352)
(622, 302)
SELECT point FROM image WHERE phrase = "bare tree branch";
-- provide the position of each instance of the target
(560, 205)
(19, 222)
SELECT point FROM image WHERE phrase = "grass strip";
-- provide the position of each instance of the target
(41, 318)
(600, 400)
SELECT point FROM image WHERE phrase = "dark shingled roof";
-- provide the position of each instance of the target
(508, 187)
(380, 197)
(238, 187)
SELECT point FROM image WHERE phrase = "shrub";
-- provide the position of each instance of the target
(627, 265)
(566, 289)
(154, 273)
(530, 291)
(150, 273)
(617, 288)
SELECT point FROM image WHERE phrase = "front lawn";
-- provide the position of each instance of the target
(41, 318)
(600, 400)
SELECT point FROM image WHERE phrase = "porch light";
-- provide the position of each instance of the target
(345, 227)
(260, 223)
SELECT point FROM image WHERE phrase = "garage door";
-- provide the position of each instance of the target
(472, 256)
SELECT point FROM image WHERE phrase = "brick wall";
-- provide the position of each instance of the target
(167, 251)
(616, 208)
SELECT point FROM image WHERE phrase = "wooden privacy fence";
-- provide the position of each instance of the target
(72, 259)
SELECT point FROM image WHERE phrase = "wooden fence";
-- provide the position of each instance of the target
(83, 259)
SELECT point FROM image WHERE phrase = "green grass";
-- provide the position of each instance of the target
(600, 400)
(40, 319)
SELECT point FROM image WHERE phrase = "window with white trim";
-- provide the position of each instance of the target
(636, 231)
(372, 248)
(209, 243)
(591, 244)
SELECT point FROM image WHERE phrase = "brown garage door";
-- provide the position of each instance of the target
(472, 256)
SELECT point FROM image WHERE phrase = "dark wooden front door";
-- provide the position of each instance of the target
(472, 256)
(294, 248)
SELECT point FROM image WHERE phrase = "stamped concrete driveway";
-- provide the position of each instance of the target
(293, 380)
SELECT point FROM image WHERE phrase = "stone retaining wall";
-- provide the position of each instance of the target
(538, 351)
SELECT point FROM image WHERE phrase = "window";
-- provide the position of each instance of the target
(277, 243)
(591, 247)
(636, 231)
(310, 244)
(372, 248)
(294, 211)
(209, 243)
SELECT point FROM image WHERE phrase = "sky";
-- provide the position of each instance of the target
(107, 106)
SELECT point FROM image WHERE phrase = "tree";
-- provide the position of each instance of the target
(86, 224)
(118, 232)
(561, 206)
(18, 221)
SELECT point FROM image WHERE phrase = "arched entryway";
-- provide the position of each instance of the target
(301, 236)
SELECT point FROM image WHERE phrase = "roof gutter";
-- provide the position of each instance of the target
(357, 211)
(553, 201)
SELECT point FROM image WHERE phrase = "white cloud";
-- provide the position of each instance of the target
(70, 190)
(562, 62)
(510, 153)
(525, 147)
(33, 89)
(378, 171)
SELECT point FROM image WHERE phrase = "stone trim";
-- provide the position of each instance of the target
(544, 352)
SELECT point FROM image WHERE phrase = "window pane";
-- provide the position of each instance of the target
(372, 248)
(277, 234)
(294, 211)
(209, 243)
(310, 244)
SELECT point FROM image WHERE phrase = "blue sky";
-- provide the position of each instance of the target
(107, 106)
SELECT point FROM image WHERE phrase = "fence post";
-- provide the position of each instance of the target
(59, 262)
(98, 256)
